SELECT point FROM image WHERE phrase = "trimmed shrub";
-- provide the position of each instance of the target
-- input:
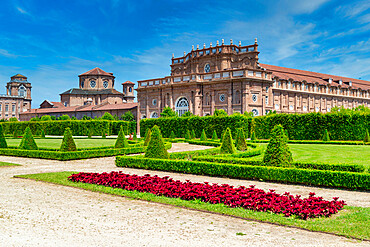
(103, 134)
(286, 134)
(134, 136)
(68, 144)
(187, 135)
(241, 144)
(325, 136)
(147, 137)
(91, 132)
(203, 136)
(28, 142)
(15, 134)
(214, 135)
(367, 137)
(121, 141)
(253, 136)
(42, 133)
(3, 143)
(227, 146)
(278, 152)
(172, 136)
(156, 148)
(193, 136)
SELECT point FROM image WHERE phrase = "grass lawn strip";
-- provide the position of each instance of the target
(7, 164)
(350, 222)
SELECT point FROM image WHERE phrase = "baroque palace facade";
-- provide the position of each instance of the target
(230, 77)
(17, 98)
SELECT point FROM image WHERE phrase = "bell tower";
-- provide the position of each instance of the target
(128, 90)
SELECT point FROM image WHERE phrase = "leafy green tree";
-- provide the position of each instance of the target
(28, 142)
(187, 114)
(156, 148)
(35, 119)
(203, 136)
(214, 135)
(367, 137)
(128, 116)
(121, 141)
(53, 118)
(73, 118)
(172, 135)
(227, 145)
(148, 134)
(278, 152)
(3, 143)
(68, 144)
(90, 133)
(64, 117)
(168, 112)
(187, 135)
(220, 113)
(13, 119)
(253, 136)
(193, 136)
(325, 136)
(86, 118)
(107, 116)
(241, 144)
(46, 118)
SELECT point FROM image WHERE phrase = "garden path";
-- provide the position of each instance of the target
(41, 214)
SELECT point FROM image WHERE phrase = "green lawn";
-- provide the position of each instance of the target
(354, 154)
(7, 164)
(350, 222)
(55, 143)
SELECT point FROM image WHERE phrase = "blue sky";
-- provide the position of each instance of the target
(51, 42)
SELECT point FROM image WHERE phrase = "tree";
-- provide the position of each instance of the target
(86, 118)
(148, 134)
(64, 117)
(193, 136)
(286, 134)
(168, 112)
(156, 148)
(325, 136)
(42, 133)
(46, 118)
(278, 152)
(253, 136)
(53, 118)
(121, 141)
(3, 143)
(68, 144)
(367, 137)
(128, 116)
(28, 142)
(73, 118)
(107, 116)
(241, 144)
(13, 119)
(214, 135)
(203, 136)
(187, 135)
(134, 135)
(220, 113)
(103, 134)
(227, 145)
(90, 133)
(172, 135)
(187, 114)
(35, 119)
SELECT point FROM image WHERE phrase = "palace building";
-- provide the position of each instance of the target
(230, 77)
(94, 96)
(17, 98)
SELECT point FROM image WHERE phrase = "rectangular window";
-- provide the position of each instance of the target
(217, 75)
(156, 82)
(238, 73)
(186, 78)
(0, 107)
(267, 89)
(13, 108)
(176, 79)
(6, 108)
(250, 73)
(267, 100)
(150, 83)
(258, 74)
(207, 77)
(143, 84)
(225, 74)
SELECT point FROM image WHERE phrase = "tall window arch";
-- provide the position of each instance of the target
(182, 106)
(22, 91)
(154, 115)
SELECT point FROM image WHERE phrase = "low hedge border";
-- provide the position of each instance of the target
(191, 154)
(300, 165)
(336, 179)
(317, 142)
(74, 155)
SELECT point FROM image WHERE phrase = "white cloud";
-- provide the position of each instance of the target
(6, 53)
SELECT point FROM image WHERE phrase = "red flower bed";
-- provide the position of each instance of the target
(248, 198)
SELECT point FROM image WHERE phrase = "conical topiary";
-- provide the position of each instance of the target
(3, 143)
(241, 144)
(28, 142)
(134, 136)
(187, 135)
(286, 134)
(203, 136)
(214, 135)
(278, 152)
(148, 134)
(253, 136)
(90, 134)
(227, 146)
(121, 141)
(156, 147)
(15, 134)
(367, 137)
(42, 133)
(103, 135)
(68, 144)
(193, 134)
(172, 135)
(325, 136)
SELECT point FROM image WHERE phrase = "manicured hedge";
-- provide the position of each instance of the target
(209, 123)
(311, 126)
(338, 179)
(78, 127)
(315, 166)
(191, 154)
(319, 142)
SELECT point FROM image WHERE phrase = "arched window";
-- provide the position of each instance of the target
(22, 91)
(237, 97)
(154, 115)
(182, 106)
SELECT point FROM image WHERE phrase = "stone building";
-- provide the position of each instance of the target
(17, 98)
(94, 96)
(230, 77)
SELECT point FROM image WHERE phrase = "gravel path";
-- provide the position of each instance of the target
(41, 214)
